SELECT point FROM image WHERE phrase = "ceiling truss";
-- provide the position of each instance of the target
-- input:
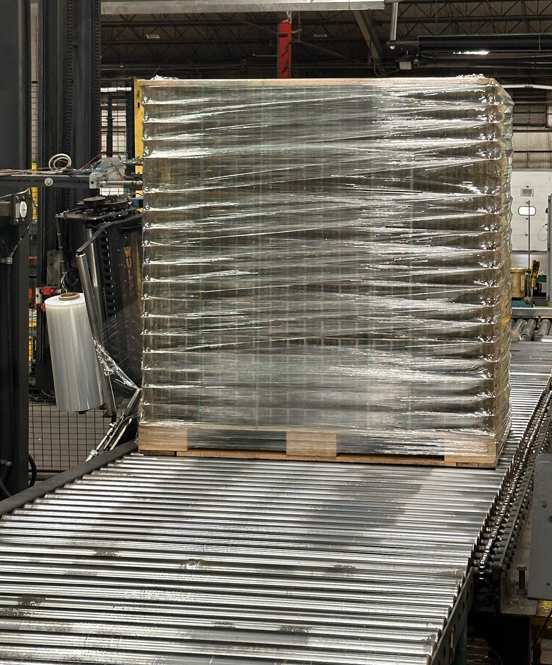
(339, 43)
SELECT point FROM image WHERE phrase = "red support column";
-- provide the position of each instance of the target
(284, 50)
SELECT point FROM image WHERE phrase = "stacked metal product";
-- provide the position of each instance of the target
(326, 268)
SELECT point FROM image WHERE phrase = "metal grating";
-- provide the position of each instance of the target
(171, 560)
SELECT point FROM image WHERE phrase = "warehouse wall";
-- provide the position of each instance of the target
(532, 149)
(533, 186)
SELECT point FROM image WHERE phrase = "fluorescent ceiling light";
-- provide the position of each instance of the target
(481, 52)
(527, 211)
(215, 6)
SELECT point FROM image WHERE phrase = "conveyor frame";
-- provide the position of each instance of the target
(414, 520)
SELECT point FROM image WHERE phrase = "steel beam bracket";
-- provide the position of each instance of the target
(17, 208)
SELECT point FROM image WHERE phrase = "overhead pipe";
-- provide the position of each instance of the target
(512, 44)
(394, 23)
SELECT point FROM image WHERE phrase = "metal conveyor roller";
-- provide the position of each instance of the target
(181, 560)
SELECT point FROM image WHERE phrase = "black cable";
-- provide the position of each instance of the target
(4, 490)
(104, 227)
(34, 470)
(537, 638)
(497, 658)
(34, 473)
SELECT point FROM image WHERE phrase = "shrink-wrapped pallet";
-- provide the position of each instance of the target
(326, 268)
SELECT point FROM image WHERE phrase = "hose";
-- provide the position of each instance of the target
(34, 470)
(4, 490)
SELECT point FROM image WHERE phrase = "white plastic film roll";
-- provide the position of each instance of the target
(74, 364)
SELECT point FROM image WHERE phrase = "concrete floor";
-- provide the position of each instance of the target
(546, 654)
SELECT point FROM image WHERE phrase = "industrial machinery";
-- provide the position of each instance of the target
(141, 560)
(110, 227)
(134, 559)
(113, 250)
(105, 172)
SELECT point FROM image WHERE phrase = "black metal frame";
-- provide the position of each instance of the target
(451, 648)
(69, 122)
(509, 633)
(15, 116)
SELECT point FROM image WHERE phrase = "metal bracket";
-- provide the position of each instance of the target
(16, 215)
(456, 625)
(540, 562)
(18, 208)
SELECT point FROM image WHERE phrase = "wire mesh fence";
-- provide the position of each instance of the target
(115, 100)
(58, 440)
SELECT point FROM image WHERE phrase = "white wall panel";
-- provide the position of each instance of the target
(534, 186)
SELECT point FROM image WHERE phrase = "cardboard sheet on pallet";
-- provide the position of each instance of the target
(326, 268)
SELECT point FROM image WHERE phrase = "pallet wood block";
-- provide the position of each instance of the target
(301, 445)
(487, 460)
(311, 443)
(420, 460)
(158, 438)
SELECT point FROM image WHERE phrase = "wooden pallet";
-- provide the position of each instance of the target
(299, 444)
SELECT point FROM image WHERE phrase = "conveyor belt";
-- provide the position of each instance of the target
(167, 560)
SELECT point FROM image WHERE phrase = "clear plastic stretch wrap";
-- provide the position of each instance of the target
(330, 256)
(74, 365)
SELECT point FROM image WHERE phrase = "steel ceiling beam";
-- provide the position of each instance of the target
(228, 41)
(369, 34)
(216, 6)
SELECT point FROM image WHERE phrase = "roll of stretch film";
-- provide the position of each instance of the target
(74, 364)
